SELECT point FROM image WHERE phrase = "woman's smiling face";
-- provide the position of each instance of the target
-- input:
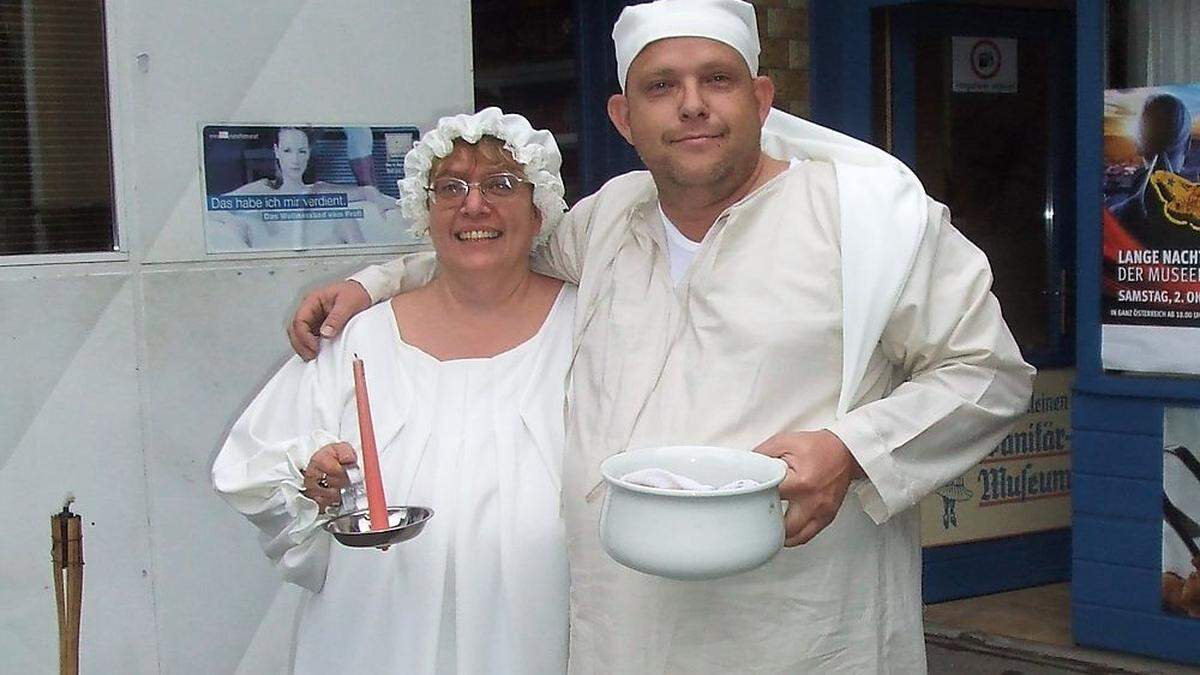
(477, 233)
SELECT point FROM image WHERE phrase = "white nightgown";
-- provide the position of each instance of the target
(484, 587)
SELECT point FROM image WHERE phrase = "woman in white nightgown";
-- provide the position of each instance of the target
(466, 377)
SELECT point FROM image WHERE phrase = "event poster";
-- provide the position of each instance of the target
(1022, 486)
(301, 187)
(1151, 229)
(1181, 512)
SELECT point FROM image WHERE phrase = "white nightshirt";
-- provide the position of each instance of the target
(484, 587)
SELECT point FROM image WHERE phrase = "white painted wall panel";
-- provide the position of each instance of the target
(121, 377)
(351, 61)
(213, 338)
(69, 408)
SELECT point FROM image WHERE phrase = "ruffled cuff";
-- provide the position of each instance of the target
(266, 488)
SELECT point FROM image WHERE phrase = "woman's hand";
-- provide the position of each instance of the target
(325, 475)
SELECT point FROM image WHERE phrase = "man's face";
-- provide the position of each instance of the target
(693, 111)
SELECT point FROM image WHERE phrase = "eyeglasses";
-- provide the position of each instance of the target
(450, 191)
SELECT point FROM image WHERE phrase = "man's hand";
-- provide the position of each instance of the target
(329, 308)
(820, 469)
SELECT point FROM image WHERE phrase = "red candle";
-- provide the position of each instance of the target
(376, 504)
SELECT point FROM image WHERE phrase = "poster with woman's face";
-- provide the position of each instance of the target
(297, 187)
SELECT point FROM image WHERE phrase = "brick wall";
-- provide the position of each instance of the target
(783, 30)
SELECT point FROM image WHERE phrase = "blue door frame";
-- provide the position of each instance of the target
(603, 152)
(842, 98)
(940, 20)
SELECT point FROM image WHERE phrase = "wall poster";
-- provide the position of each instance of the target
(1181, 511)
(1150, 312)
(301, 187)
(1022, 486)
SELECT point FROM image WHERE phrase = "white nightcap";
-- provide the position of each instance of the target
(534, 149)
(729, 21)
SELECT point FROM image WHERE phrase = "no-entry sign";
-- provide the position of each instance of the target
(984, 65)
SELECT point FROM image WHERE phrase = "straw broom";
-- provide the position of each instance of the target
(66, 536)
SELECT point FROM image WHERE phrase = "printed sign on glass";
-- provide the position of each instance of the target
(1022, 486)
(1151, 230)
(297, 187)
(984, 65)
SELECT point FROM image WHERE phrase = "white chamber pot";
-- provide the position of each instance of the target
(690, 535)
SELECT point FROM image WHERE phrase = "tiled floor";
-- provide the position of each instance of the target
(1039, 614)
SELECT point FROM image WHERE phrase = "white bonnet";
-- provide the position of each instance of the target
(534, 149)
(729, 21)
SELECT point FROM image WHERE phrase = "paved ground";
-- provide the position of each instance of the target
(1040, 614)
(955, 652)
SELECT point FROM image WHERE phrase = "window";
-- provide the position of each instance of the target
(1152, 42)
(55, 157)
(999, 155)
(525, 63)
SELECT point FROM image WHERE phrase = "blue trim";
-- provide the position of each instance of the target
(1115, 595)
(1116, 581)
(1121, 587)
(840, 58)
(904, 88)
(1089, 176)
(1089, 56)
(937, 21)
(1091, 378)
(1139, 498)
(602, 152)
(842, 99)
(967, 570)
(1117, 415)
(1116, 455)
(1155, 634)
(1067, 223)
(1134, 544)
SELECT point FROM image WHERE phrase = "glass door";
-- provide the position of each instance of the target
(979, 101)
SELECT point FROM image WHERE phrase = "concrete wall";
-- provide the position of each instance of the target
(122, 371)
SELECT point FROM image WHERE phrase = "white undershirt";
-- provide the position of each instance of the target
(681, 251)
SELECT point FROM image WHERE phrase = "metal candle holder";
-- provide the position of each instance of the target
(354, 529)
